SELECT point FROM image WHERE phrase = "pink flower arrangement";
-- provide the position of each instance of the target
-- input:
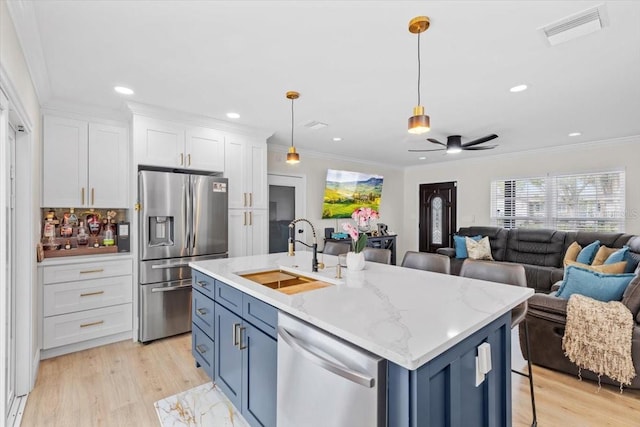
(361, 216)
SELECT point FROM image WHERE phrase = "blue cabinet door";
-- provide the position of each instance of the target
(228, 356)
(260, 380)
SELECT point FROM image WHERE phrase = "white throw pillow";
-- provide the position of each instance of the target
(480, 249)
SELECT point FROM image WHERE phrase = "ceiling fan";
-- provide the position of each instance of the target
(454, 144)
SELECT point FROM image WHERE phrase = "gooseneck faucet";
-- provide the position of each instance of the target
(292, 239)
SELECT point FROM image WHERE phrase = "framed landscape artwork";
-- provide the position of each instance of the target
(347, 191)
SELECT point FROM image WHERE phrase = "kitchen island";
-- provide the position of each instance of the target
(426, 325)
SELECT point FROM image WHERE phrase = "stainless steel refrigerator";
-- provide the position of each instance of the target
(183, 217)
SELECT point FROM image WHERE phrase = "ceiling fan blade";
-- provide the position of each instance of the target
(488, 147)
(480, 140)
(423, 151)
(435, 141)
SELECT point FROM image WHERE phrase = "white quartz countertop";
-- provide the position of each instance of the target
(406, 316)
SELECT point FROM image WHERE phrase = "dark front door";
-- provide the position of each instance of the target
(437, 215)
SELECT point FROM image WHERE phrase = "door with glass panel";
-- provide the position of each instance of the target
(286, 203)
(437, 216)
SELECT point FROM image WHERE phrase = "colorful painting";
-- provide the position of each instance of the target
(347, 191)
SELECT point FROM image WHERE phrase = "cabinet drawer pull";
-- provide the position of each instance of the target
(236, 341)
(240, 345)
(93, 194)
(201, 349)
(244, 215)
(201, 311)
(97, 270)
(244, 199)
(86, 325)
(250, 199)
(82, 196)
(181, 159)
(92, 293)
(250, 218)
(188, 159)
(202, 284)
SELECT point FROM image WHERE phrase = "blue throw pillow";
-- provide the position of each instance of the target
(599, 286)
(461, 245)
(588, 253)
(623, 255)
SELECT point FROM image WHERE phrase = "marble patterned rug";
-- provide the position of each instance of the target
(202, 406)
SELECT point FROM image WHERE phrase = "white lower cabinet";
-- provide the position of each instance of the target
(85, 304)
(248, 232)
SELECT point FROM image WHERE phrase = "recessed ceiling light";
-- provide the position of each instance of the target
(123, 90)
(575, 134)
(518, 88)
(233, 115)
(422, 158)
(337, 139)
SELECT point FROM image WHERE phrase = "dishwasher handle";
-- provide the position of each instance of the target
(329, 365)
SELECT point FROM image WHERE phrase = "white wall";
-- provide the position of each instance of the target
(28, 179)
(474, 178)
(314, 166)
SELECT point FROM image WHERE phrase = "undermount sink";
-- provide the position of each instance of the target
(285, 281)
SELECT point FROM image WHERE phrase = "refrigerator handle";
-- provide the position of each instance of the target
(192, 216)
(187, 217)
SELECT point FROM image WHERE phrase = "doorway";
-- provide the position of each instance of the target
(286, 203)
(437, 215)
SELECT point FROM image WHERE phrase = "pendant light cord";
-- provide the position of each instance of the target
(292, 122)
(418, 69)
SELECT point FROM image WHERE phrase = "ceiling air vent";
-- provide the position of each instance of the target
(315, 125)
(574, 26)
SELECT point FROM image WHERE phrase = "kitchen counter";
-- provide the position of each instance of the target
(406, 316)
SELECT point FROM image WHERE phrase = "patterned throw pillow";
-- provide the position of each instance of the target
(480, 249)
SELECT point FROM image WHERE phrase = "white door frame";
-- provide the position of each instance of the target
(299, 182)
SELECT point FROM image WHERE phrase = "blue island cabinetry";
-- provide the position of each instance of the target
(234, 341)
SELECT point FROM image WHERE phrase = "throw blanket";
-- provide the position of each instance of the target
(598, 337)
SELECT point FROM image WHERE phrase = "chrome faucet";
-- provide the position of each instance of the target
(292, 227)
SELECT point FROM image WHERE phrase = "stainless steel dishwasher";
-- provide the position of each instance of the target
(325, 381)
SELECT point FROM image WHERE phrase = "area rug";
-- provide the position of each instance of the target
(202, 406)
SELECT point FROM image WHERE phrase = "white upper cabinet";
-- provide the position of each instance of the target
(168, 144)
(246, 168)
(84, 164)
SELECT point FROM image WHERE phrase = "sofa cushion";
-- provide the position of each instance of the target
(572, 253)
(536, 246)
(631, 297)
(479, 249)
(615, 268)
(599, 286)
(602, 254)
(461, 245)
(588, 253)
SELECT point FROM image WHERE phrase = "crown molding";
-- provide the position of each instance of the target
(195, 119)
(277, 148)
(15, 102)
(81, 111)
(26, 26)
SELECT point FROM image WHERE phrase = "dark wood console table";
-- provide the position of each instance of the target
(381, 242)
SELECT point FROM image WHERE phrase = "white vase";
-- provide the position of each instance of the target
(355, 261)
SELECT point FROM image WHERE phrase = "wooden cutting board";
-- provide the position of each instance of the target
(303, 287)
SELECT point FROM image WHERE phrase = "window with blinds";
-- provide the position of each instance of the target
(590, 202)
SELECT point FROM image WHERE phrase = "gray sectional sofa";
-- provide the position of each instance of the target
(541, 252)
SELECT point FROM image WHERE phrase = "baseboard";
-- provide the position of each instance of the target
(84, 345)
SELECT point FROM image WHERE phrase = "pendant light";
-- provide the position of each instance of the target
(292, 156)
(419, 122)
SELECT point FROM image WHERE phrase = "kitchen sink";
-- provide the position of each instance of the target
(285, 281)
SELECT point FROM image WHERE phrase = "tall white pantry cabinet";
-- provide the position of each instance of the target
(241, 158)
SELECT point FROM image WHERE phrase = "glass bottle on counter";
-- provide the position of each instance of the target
(82, 237)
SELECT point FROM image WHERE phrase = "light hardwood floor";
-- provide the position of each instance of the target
(116, 385)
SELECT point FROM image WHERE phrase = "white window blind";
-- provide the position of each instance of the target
(589, 202)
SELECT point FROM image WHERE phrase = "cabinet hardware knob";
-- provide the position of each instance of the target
(97, 270)
(86, 325)
(201, 349)
(87, 294)
(201, 311)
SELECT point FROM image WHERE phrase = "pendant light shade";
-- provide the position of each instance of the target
(419, 122)
(292, 156)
